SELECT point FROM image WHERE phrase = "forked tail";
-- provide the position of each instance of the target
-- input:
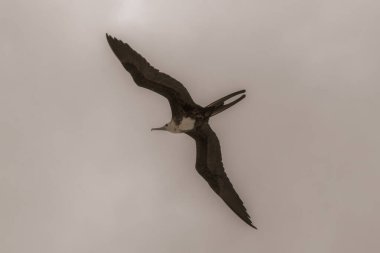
(218, 106)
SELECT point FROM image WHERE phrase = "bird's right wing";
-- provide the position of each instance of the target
(151, 78)
(209, 165)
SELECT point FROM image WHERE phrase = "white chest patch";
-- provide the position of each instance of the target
(186, 124)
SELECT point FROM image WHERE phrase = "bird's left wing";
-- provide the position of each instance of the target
(209, 165)
(148, 77)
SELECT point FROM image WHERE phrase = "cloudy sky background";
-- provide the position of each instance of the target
(80, 170)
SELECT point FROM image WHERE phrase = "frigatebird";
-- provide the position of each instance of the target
(189, 118)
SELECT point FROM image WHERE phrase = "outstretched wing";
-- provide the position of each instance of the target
(151, 78)
(209, 165)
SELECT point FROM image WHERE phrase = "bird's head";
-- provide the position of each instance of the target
(170, 127)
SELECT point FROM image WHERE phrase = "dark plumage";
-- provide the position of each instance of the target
(189, 118)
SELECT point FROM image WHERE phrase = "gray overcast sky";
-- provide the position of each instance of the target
(80, 170)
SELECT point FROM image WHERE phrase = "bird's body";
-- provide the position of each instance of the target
(186, 124)
(189, 118)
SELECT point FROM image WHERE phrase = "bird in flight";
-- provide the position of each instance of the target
(188, 118)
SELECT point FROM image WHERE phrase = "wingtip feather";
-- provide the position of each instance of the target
(251, 224)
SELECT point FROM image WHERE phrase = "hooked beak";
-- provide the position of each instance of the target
(158, 128)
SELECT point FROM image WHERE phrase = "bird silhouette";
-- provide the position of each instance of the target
(189, 118)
